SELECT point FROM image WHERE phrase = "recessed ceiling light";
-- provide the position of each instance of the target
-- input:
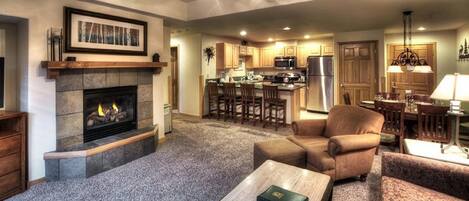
(243, 33)
(421, 28)
(286, 28)
(307, 36)
(271, 39)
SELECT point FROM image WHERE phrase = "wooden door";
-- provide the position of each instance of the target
(267, 57)
(290, 51)
(358, 70)
(235, 56)
(420, 83)
(174, 78)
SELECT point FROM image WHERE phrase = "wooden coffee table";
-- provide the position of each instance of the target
(316, 186)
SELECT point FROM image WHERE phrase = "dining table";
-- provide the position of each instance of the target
(411, 113)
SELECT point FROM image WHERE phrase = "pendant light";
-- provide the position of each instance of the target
(408, 58)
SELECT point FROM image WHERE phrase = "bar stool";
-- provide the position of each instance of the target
(250, 103)
(215, 100)
(232, 101)
(273, 104)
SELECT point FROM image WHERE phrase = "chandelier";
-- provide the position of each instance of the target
(408, 58)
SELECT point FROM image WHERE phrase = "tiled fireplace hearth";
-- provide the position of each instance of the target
(104, 120)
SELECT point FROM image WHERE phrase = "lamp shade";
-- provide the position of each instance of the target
(452, 87)
(394, 69)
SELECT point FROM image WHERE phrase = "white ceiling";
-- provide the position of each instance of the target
(323, 17)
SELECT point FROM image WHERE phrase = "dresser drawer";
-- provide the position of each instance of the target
(10, 182)
(10, 145)
(9, 164)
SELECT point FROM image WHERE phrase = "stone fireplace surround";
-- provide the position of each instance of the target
(69, 98)
(75, 159)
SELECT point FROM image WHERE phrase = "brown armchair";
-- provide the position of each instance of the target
(343, 145)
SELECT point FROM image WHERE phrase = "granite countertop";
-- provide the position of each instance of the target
(281, 87)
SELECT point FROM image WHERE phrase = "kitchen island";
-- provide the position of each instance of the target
(289, 92)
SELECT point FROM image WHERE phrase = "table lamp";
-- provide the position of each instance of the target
(454, 88)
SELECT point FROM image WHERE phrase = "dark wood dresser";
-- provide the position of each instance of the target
(13, 133)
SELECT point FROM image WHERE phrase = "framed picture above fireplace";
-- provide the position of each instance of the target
(90, 32)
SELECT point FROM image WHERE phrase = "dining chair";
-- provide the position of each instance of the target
(232, 101)
(433, 123)
(347, 100)
(274, 106)
(215, 100)
(251, 104)
(393, 113)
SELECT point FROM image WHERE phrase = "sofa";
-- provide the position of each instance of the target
(342, 146)
(406, 177)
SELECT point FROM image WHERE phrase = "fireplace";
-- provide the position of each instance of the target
(109, 111)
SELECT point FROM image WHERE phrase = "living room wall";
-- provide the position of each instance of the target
(40, 91)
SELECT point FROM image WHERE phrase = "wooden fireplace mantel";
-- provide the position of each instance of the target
(54, 67)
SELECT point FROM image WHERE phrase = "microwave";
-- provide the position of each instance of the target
(285, 63)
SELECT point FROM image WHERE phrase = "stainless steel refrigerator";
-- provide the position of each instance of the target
(320, 84)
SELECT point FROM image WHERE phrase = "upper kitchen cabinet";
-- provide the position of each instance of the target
(290, 51)
(267, 55)
(304, 51)
(235, 56)
(285, 51)
(227, 56)
(279, 51)
(327, 49)
(253, 58)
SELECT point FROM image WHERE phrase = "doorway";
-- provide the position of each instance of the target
(419, 83)
(174, 79)
(358, 71)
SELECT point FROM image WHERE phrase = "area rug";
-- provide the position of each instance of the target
(200, 160)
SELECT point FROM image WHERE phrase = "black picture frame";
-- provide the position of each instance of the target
(68, 11)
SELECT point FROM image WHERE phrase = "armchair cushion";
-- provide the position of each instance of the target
(318, 158)
(309, 127)
(308, 141)
(348, 143)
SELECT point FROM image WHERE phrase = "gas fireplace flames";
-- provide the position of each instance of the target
(106, 114)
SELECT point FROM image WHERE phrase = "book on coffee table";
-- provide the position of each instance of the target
(275, 193)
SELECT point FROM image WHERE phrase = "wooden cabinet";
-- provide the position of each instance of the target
(327, 49)
(302, 57)
(279, 51)
(235, 56)
(290, 51)
(267, 55)
(250, 51)
(303, 52)
(243, 50)
(227, 56)
(253, 59)
(303, 98)
(12, 153)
